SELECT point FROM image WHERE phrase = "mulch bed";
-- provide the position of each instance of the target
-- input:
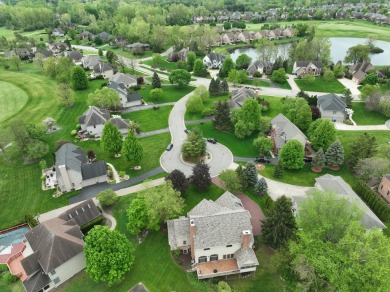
(333, 167)
(260, 166)
(316, 169)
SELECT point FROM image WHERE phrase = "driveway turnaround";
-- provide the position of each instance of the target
(221, 157)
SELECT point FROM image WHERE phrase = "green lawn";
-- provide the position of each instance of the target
(163, 81)
(172, 93)
(209, 103)
(257, 82)
(12, 100)
(36, 34)
(319, 85)
(164, 64)
(150, 119)
(284, 85)
(239, 147)
(363, 117)
(125, 53)
(275, 107)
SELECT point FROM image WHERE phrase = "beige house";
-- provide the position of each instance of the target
(102, 69)
(218, 235)
(302, 68)
(359, 71)
(332, 107)
(384, 187)
(240, 95)
(90, 61)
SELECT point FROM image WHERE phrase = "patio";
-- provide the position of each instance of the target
(50, 179)
(217, 268)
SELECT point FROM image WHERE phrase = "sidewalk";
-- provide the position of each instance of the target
(292, 83)
(344, 127)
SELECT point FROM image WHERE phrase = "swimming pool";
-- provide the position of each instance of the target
(13, 236)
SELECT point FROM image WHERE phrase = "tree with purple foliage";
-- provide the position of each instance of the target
(200, 177)
(179, 180)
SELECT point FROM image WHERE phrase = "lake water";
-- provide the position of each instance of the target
(338, 50)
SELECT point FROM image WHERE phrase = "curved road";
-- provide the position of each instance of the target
(221, 157)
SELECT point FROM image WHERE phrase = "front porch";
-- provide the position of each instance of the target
(217, 268)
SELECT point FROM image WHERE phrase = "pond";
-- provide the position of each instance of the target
(338, 50)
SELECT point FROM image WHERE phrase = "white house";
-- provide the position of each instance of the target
(218, 235)
(332, 107)
(125, 79)
(127, 99)
(213, 60)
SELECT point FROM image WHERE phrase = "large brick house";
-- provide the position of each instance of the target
(384, 187)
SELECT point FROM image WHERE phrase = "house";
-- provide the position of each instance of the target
(137, 48)
(54, 250)
(86, 35)
(301, 68)
(58, 32)
(102, 69)
(90, 61)
(180, 55)
(73, 171)
(245, 37)
(227, 38)
(104, 36)
(384, 187)
(283, 130)
(337, 185)
(23, 53)
(240, 95)
(218, 235)
(263, 67)
(213, 60)
(75, 56)
(44, 52)
(94, 119)
(58, 47)
(119, 41)
(127, 99)
(261, 34)
(332, 107)
(125, 79)
(288, 32)
(236, 16)
(359, 71)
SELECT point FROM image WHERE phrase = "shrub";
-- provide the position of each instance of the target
(348, 122)
(135, 87)
(107, 197)
(9, 279)
(208, 112)
(157, 93)
(257, 74)
(73, 133)
(122, 173)
(6, 66)
(78, 127)
(156, 107)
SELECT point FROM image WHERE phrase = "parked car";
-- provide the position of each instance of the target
(169, 147)
(212, 140)
(187, 131)
(262, 159)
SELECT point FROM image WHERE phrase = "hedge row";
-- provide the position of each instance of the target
(376, 204)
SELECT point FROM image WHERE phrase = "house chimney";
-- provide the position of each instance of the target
(246, 239)
(192, 238)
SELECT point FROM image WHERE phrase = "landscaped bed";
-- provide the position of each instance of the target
(150, 119)
(363, 117)
(320, 85)
(172, 93)
(208, 104)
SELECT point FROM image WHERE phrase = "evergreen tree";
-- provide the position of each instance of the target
(200, 177)
(221, 119)
(261, 187)
(334, 156)
(191, 57)
(319, 159)
(227, 66)
(279, 169)
(242, 177)
(279, 226)
(78, 78)
(218, 86)
(132, 149)
(348, 97)
(213, 90)
(111, 139)
(365, 146)
(199, 69)
(251, 172)
(224, 87)
(156, 82)
(194, 146)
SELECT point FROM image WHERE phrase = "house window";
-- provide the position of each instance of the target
(381, 187)
(207, 248)
(334, 112)
(56, 280)
(227, 256)
(388, 193)
(54, 271)
(184, 241)
(229, 245)
(46, 287)
(202, 259)
(213, 257)
(94, 126)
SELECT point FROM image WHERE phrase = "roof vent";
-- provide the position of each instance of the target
(246, 232)
(89, 206)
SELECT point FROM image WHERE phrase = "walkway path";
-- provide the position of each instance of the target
(292, 83)
(351, 86)
(344, 127)
(145, 107)
(114, 173)
(151, 133)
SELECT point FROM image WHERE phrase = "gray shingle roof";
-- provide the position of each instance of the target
(94, 169)
(82, 213)
(240, 95)
(90, 61)
(216, 57)
(71, 156)
(94, 116)
(178, 228)
(331, 102)
(318, 64)
(246, 257)
(36, 282)
(128, 80)
(206, 208)
(120, 123)
(102, 67)
(30, 264)
(283, 125)
(135, 96)
(230, 201)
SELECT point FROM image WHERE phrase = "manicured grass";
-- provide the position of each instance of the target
(12, 100)
(363, 117)
(284, 85)
(275, 108)
(193, 197)
(172, 93)
(165, 65)
(257, 82)
(209, 103)
(320, 85)
(150, 119)
(124, 53)
(163, 81)
(239, 147)
(36, 34)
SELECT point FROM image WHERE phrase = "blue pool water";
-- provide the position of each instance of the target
(13, 236)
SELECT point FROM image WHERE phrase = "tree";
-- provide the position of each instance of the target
(315, 112)
(107, 197)
(279, 76)
(261, 187)
(334, 156)
(328, 75)
(365, 146)
(242, 177)
(191, 57)
(131, 61)
(223, 287)
(297, 110)
(251, 173)
(230, 180)
(248, 118)
(181, 65)
(347, 96)
(179, 181)
(309, 78)
(227, 66)
(111, 140)
(322, 133)
(279, 169)
(132, 149)
(36, 149)
(106, 98)
(266, 49)
(108, 255)
(358, 53)
(292, 154)
(371, 168)
(15, 61)
(224, 87)
(338, 70)
(157, 94)
(100, 52)
(319, 160)
(369, 90)
(265, 124)
(156, 82)
(199, 69)
(49, 123)
(202, 91)
(78, 78)
(39, 60)
(194, 146)
(243, 61)
(111, 57)
(279, 226)
(263, 144)
(371, 79)
(200, 177)
(194, 104)
(384, 106)
(180, 77)
(50, 67)
(64, 69)
(137, 216)
(221, 120)
(65, 94)
(213, 88)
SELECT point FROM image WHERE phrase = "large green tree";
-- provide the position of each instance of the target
(194, 146)
(230, 180)
(334, 156)
(132, 149)
(365, 146)
(108, 255)
(106, 98)
(322, 133)
(248, 118)
(111, 140)
(194, 104)
(180, 77)
(243, 61)
(200, 177)
(191, 57)
(156, 82)
(78, 78)
(263, 144)
(227, 66)
(107, 197)
(221, 120)
(199, 69)
(292, 154)
(298, 111)
(137, 215)
(358, 53)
